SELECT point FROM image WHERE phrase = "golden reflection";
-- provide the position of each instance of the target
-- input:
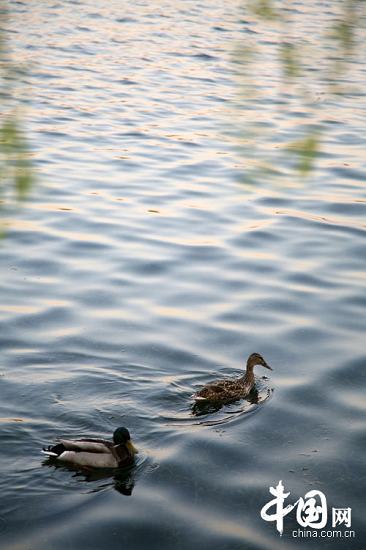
(344, 221)
(21, 225)
(23, 309)
(62, 332)
(42, 280)
(32, 310)
(56, 303)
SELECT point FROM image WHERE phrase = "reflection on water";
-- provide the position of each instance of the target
(146, 263)
(16, 174)
(122, 480)
(292, 77)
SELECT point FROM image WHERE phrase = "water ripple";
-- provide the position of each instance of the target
(144, 265)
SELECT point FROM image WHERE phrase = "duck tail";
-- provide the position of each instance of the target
(48, 453)
(55, 450)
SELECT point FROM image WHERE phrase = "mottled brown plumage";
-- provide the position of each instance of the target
(224, 391)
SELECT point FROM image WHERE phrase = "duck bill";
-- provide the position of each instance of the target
(131, 447)
(267, 366)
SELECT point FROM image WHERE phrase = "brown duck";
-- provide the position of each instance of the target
(224, 391)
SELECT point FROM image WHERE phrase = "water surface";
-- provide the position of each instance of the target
(144, 264)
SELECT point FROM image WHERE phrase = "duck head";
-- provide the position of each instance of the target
(121, 436)
(256, 359)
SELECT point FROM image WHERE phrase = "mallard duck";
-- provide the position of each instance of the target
(224, 391)
(95, 453)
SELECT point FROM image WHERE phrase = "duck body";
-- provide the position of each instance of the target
(95, 453)
(224, 391)
(231, 389)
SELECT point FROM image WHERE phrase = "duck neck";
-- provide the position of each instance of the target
(248, 377)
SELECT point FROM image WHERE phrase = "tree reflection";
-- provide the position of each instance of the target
(293, 62)
(16, 174)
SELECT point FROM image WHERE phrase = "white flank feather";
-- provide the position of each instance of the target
(49, 453)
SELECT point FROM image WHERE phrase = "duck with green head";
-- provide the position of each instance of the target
(231, 389)
(95, 453)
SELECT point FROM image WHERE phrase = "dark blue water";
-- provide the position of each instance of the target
(168, 236)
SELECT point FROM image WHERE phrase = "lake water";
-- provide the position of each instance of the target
(153, 255)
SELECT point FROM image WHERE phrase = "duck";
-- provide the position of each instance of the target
(95, 453)
(231, 389)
